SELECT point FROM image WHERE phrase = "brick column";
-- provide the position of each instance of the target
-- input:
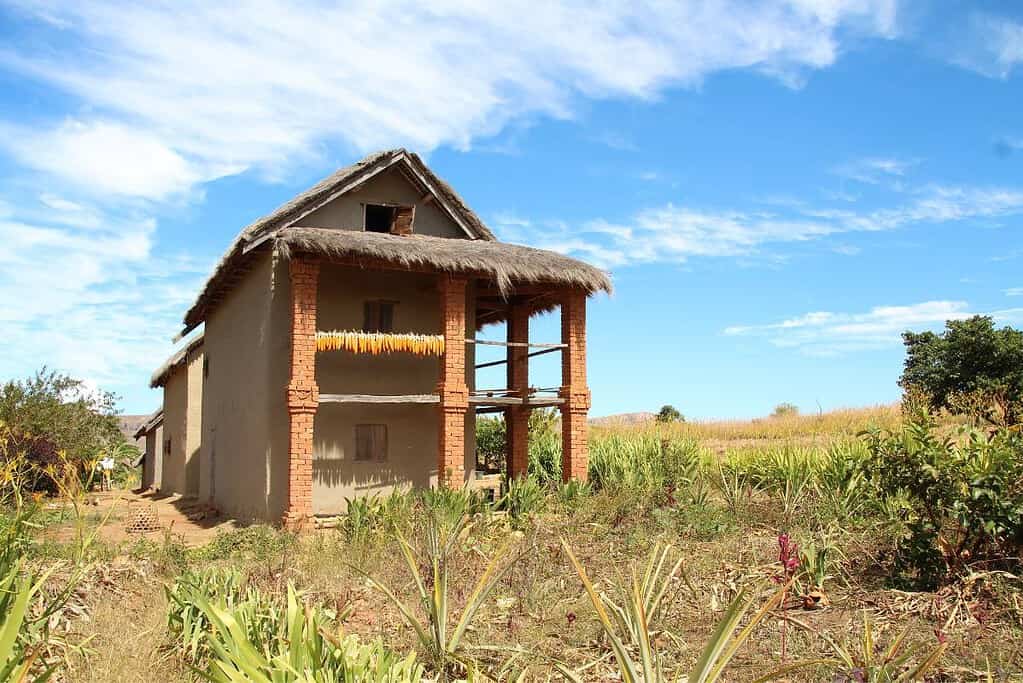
(302, 393)
(454, 394)
(517, 418)
(574, 427)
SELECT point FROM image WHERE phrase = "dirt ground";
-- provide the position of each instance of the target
(129, 514)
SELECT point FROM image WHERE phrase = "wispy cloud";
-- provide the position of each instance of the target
(204, 90)
(875, 170)
(991, 45)
(85, 295)
(675, 233)
(827, 333)
(1014, 291)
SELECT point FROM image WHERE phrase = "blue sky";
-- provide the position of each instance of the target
(779, 189)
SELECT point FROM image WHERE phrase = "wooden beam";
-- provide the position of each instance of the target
(529, 402)
(488, 342)
(376, 398)
(505, 360)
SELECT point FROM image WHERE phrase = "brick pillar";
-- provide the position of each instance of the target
(517, 418)
(574, 454)
(302, 393)
(454, 394)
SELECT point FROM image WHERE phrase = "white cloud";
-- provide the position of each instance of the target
(176, 94)
(673, 233)
(875, 170)
(111, 158)
(826, 333)
(1014, 291)
(991, 45)
(88, 299)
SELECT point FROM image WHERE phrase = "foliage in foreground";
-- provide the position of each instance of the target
(443, 646)
(965, 496)
(231, 633)
(642, 599)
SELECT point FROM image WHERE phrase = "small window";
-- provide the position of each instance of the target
(379, 218)
(378, 316)
(371, 443)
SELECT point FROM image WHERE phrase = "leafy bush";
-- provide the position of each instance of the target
(970, 368)
(668, 414)
(490, 442)
(525, 496)
(965, 496)
(51, 412)
(784, 410)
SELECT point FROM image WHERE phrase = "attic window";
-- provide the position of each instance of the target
(396, 220)
(379, 218)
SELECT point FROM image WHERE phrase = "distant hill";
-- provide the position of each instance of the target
(128, 424)
(623, 419)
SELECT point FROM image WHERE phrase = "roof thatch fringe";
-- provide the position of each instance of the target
(507, 265)
(163, 372)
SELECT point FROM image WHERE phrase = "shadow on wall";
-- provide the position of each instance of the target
(341, 474)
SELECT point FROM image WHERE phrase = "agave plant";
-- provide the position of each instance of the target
(16, 661)
(298, 649)
(653, 587)
(641, 595)
(865, 662)
(443, 645)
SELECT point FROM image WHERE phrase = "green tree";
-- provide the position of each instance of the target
(971, 368)
(669, 414)
(52, 411)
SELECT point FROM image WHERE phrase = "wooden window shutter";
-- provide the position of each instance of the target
(378, 316)
(371, 316)
(404, 216)
(371, 443)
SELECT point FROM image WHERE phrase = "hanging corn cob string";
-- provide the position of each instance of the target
(376, 343)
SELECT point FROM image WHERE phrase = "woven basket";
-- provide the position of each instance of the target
(142, 519)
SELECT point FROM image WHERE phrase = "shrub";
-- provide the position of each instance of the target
(965, 496)
(490, 442)
(524, 497)
(970, 368)
(785, 410)
(668, 414)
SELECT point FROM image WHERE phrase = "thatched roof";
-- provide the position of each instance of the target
(151, 422)
(179, 358)
(479, 254)
(505, 264)
(334, 185)
(343, 180)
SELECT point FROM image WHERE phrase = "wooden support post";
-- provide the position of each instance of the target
(302, 393)
(574, 391)
(452, 389)
(516, 418)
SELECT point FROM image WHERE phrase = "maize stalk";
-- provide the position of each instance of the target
(378, 343)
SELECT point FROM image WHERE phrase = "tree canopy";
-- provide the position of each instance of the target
(972, 367)
(669, 413)
(52, 411)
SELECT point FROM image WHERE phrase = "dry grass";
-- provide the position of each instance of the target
(837, 423)
(540, 608)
